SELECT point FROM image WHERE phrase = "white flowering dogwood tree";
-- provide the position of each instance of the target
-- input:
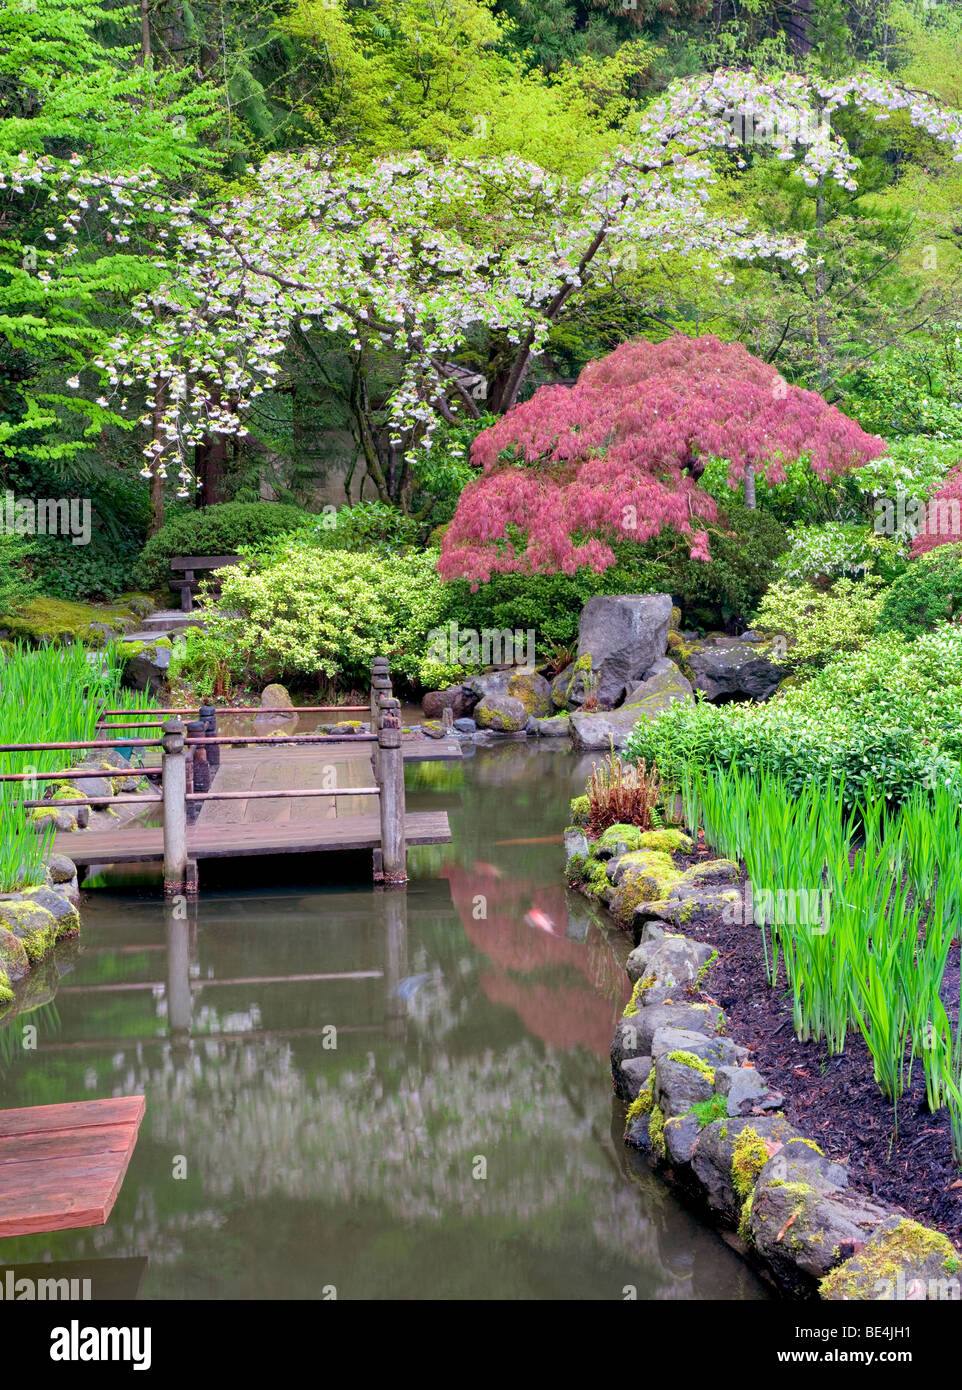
(409, 257)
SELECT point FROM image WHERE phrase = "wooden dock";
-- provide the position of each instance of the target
(62, 1166)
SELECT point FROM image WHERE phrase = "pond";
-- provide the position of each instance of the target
(369, 1094)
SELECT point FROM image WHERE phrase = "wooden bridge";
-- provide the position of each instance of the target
(239, 795)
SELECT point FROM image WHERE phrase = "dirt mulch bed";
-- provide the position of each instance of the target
(835, 1100)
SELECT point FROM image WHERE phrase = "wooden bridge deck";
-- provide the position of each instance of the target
(219, 841)
(62, 1166)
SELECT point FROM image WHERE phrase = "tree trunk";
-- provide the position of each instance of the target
(210, 466)
(145, 54)
(750, 486)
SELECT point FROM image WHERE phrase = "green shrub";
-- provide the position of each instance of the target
(367, 526)
(17, 584)
(889, 715)
(551, 604)
(744, 546)
(839, 550)
(821, 623)
(928, 593)
(218, 530)
(304, 611)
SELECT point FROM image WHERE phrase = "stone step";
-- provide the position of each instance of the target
(171, 620)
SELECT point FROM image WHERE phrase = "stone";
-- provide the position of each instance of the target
(570, 687)
(744, 1090)
(681, 1132)
(802, 1231)
(432, 729)
(716, 1050)
(13, 956)
(533, 691)
(276, 696)
(713, 871)
(684, 905)
(901, 1260)
(624, 635)
(728, 668)
(557, 726)
(627, 1043)
(501, 713)
(599, 730)
(634, 1072)
(660, 689)
(30, 922)
(714, 1152)
(576, 842)
(680, 1085)
(453, 698)
(672, 960)
(488, 683)
(146, 667)
(801, 1161)
(696, 1018)
(60, 869)
(58, 905)
(464, 725)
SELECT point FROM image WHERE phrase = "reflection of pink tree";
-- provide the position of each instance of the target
(563, 1015)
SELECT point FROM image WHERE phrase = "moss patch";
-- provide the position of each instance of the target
(688, 1059)
(748, 1159)
(890, 1253)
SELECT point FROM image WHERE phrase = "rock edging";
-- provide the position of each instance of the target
(706, 1117)
(32, 922)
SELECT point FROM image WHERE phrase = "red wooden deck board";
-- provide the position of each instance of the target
(62, 1166)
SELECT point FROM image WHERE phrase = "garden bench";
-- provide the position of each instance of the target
(184, 568)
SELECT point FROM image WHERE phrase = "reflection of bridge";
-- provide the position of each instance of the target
(381, 945)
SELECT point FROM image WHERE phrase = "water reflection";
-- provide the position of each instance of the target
(400, 1094)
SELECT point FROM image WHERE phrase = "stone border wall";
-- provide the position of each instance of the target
(707, 1119)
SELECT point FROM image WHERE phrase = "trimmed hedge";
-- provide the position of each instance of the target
(216, 530)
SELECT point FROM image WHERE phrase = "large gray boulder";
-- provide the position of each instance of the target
(625, 634)
(729, 668)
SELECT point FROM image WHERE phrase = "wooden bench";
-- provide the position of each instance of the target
(185, 567)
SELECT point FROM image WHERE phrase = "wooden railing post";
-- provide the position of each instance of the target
(380, 687)
(209, 713)
(174, 764)
(391, 782)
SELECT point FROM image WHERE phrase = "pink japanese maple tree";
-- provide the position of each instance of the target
(941, 523)
(618, 455)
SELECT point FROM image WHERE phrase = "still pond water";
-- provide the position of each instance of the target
(386, 1095)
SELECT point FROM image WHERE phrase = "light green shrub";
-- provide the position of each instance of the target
(305, 611)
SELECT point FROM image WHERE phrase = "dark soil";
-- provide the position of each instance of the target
(835, 1100)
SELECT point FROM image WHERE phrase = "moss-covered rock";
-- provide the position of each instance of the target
(14, 963)
(43, 620)
(579, 810)
(502, 714)
(902, 1260)
(32, 924)
(533, 691)
(641, 876)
